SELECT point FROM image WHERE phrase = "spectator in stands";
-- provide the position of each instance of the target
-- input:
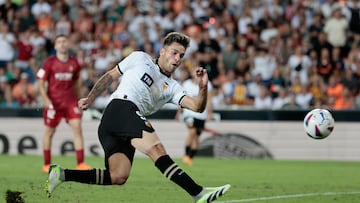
(295, 85)
(282, 99)
(304, 98)
(264, 100)
(299, 23)
(317, 88)
(253, 84)
(321, 42)
(240, 92)
(5, 89)
(24, 92)
(45, 25)
(269, 31)
(315, 28)
(345, 101)
(277, 81)
(336, 28)
(83, 23)
(7, 43)
(350, 81)
(63, 26)
(325, 66)
(291, 105)
(39, 7)
(299, 64)
(229, 56)
(7, 7)
(26, 19)
(335, 89)
(264, 64)
(25, 51)
(228, 86)
(337, 60)
(354, 24)
(357, 101)
(327, 8)
(218, 97)
(101, 61)
(208, 55)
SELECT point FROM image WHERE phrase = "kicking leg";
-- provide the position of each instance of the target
(151, 146)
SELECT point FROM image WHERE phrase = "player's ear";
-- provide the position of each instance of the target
(162, 51)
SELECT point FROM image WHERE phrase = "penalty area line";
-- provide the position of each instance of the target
(290, 196)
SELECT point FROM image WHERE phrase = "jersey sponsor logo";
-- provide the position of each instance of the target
(63, 76)
(147, 79)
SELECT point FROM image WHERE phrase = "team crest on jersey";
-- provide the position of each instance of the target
(147, 79)
(165, 85)
(71, 68)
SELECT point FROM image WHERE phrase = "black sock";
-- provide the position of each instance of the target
(187, 150)
(93, 176)
(193, 152)
(173, 172)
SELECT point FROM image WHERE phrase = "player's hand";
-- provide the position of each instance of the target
(84, 103)
(201, 76)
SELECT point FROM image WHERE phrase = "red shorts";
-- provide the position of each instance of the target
(52, 117)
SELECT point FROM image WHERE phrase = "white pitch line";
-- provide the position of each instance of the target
(290, 196)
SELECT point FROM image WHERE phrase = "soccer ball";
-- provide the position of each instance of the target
(319, 123)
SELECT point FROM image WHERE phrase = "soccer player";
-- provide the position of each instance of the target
(195, 121)
(146, 85)
(59, 87)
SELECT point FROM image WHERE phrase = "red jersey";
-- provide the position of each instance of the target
(61, 77)
(25, 51)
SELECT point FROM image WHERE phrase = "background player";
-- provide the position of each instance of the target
(59, 87)
(194, 121)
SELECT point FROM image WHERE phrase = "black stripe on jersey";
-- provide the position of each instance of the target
(181, 99)
(118, 67)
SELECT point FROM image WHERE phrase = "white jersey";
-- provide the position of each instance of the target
(192, 89)
(144, 84)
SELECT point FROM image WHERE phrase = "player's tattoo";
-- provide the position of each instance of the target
(100, 86)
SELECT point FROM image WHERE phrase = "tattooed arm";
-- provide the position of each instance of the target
(100, 86)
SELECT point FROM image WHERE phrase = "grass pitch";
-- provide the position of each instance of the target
(252, 181)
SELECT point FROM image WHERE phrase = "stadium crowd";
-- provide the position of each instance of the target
(262, 54)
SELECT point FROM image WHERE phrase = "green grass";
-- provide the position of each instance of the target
(249, 179)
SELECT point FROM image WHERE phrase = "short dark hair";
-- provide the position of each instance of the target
(178, 38)
(59, 36)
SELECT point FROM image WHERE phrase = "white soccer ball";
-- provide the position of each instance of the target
(319, 123)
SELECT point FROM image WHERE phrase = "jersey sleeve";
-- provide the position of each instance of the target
(44, 72)
(179, 93)
(129, 61)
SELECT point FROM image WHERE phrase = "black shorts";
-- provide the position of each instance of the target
(121, 121)
(195, 123)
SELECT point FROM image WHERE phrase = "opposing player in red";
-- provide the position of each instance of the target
(59, 87)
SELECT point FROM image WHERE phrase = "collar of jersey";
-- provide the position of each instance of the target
(162, 72)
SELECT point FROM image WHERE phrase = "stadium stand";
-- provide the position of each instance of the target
(255, 51)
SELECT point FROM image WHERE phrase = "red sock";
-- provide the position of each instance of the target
(47, 156)
(80, 156)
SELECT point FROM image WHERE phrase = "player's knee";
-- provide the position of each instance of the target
(119, 179)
